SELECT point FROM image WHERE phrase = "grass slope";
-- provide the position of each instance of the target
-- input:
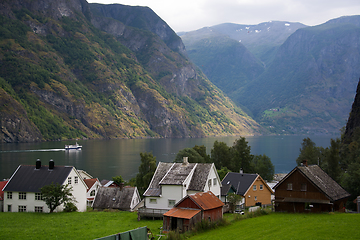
(289, 226)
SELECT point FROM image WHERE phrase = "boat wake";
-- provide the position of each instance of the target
(34, 150)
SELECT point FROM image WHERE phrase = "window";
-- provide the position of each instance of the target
(255, 198)
(254, 187)
(69, 180)
(38, 196)
(171, 203)
(303, 187)
(38, 209)
(9, 208)
(92, 193)
(153, 200)
(214, 182)
(22, 208)
(209, 183)
(9, 195)
(22, 195)
(289, 186)
(76, 180)
(261, 187)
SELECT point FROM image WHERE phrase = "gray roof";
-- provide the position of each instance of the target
(240, 181)
(114, 198)
(322, 181)
(225, 189)
(29, 179)
(176, 174)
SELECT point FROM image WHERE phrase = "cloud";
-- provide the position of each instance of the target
(187, 15)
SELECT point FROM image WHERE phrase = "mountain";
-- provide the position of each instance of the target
(69, 70)
(307, 82)
(353, 122)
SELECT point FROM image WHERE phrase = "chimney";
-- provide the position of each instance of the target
(185, 161)
(38, 164)
(51, 164)
(121, 185)
(304, 163)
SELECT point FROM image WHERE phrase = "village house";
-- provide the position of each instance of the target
(2, 185)
(173, 181)
(191, 209)
(308, 188)
(121, 198)
(251, 187)
(22, 192)
(93, 185)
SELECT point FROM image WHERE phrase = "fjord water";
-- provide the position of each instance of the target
(107, 158)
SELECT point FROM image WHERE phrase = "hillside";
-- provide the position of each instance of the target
(308, 78)
(74, 70)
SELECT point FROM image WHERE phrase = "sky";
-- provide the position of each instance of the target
(189, 15)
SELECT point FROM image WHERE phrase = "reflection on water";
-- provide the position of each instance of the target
(107, 158)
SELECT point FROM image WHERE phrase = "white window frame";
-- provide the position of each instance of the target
(254, 187)
(261, 187)
(289, 187)
(22, 208)
(69, 180)
(171, 202)
(22, 195)
(153, 201)
(9, 195)
(39, 209)
(76, 179)
(38, 196)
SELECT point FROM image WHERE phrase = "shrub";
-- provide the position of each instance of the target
(70, 207)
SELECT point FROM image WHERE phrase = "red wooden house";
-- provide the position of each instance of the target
(192, 209)
(309, 189)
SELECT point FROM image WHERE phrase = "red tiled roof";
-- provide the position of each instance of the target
(182, 213)
(2, 185)
(206, 200)
(90, 182)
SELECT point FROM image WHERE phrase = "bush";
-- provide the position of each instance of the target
(70, 207)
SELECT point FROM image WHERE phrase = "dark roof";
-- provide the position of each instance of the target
(176, 174)
(114, 198)
(29, 179)
(226, 189)
(241, 181)
(321, 180)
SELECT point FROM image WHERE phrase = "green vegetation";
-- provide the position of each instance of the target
(75, 225)
(289, 226)
(55, 194)
(146, 171)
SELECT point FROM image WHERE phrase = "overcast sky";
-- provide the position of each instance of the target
(188, 15)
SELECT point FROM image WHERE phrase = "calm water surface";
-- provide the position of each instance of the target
(107, 158)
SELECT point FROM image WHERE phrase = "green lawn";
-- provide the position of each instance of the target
(289, 226)
(77, 225)
(91, 225)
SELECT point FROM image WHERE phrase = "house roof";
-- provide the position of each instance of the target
(321, 180)
(241, 181)
(204, 200)
(176, 174)
(225, 189)
(182, 213)
(114, 198)
(90, 182)
(2, 184)
(29, 179)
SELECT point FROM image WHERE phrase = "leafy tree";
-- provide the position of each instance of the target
(55, 194)
(264, 167)
(233, 199)
(118, 180)
(332, 157)
(222, 172)
(202, 151)
(309, 152)
(146, 171)
(191, 153)
(220, 155)
(241, 156)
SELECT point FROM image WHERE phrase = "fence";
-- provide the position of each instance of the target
(136, 234)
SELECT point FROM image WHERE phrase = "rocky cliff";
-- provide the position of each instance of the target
(354, 118)
(73, 70)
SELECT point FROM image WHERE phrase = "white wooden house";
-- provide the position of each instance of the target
(93, 185)
(22, 193)
(173, 181)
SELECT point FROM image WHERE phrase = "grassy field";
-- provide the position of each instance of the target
(91, 225)
(76, 225)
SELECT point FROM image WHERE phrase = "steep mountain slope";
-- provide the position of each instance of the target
(309, 85)
(61, 77)
(353, 122)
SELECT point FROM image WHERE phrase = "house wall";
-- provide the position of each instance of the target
(213, 214)
(169, 192)
(79, 190)
(135, 199)
(213, 185)
(95, 187)
(254, 196)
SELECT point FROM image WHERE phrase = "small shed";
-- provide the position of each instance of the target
(192, 209)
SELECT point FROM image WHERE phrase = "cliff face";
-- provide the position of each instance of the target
(69, 79)
(354, 118)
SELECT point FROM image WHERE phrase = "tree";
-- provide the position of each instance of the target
(146, 171)
(191, 153)
(264, 167)
(118, 180)
(220, 155)
(333, 160)
(202, 151)
(241, 156)
(55, 194)
(309, 152)
(233, 199)
(222, 172)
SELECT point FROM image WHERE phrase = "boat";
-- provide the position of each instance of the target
(73, 147)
